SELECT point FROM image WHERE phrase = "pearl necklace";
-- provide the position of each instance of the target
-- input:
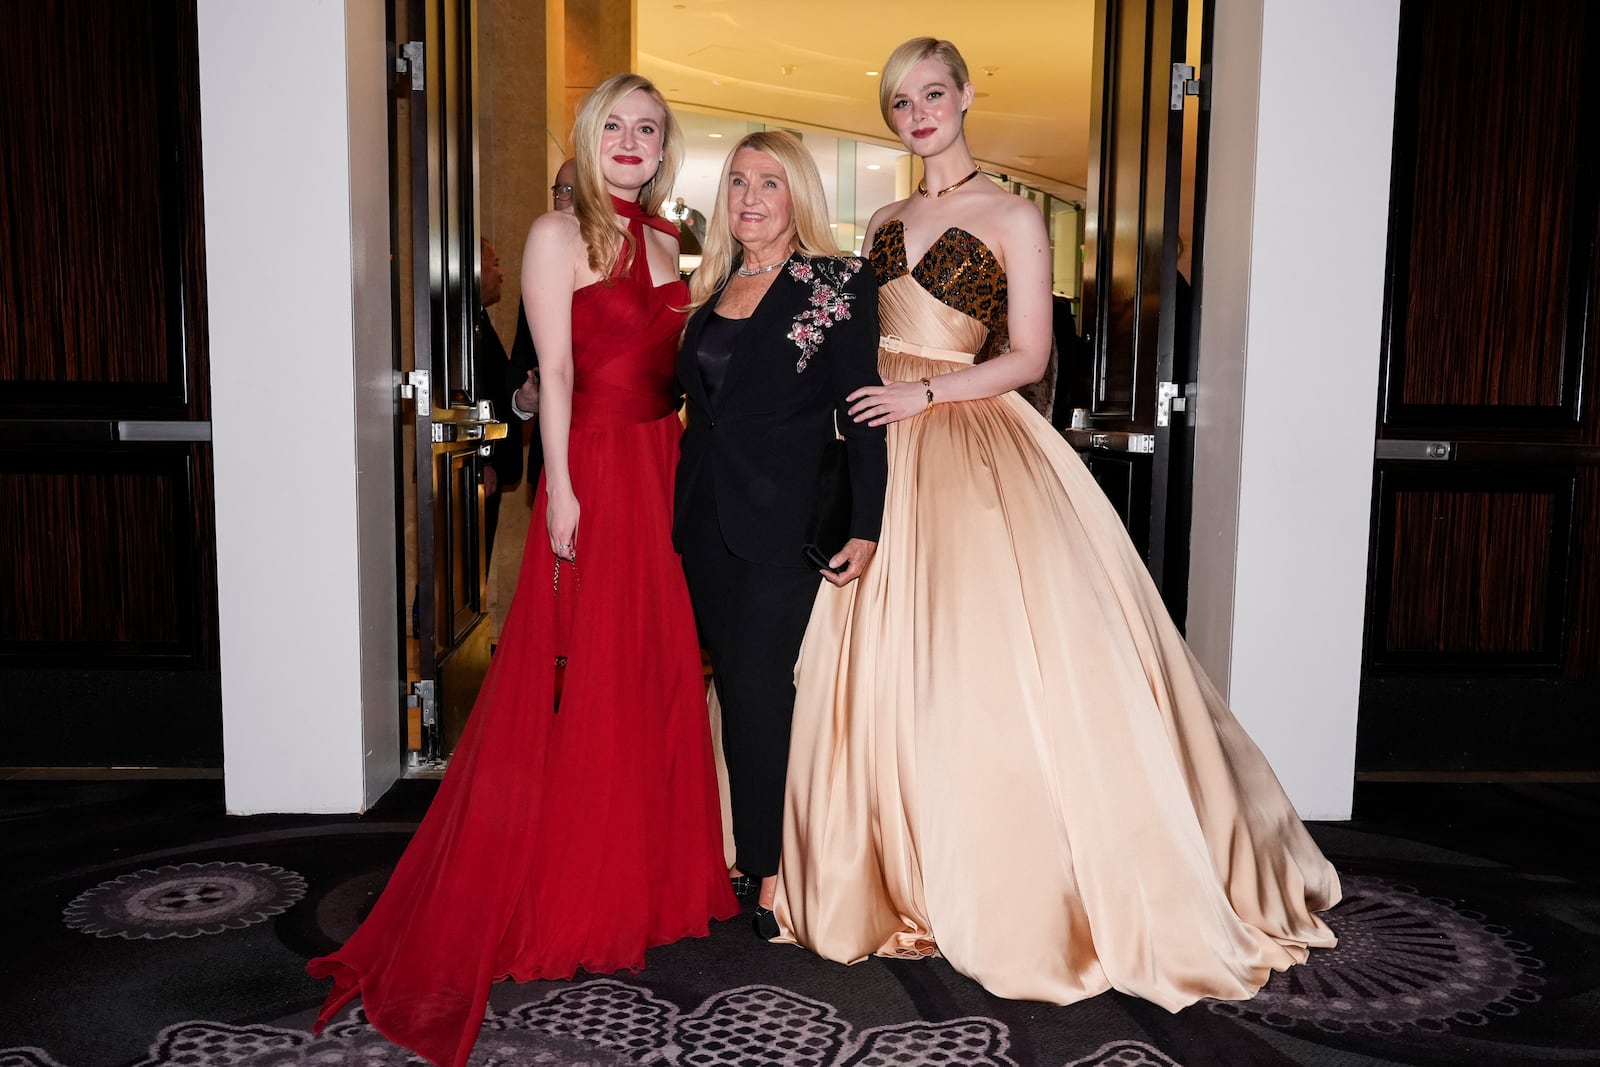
(760, 270)
(922, 186)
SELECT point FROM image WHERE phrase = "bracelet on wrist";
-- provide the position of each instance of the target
(927, 388)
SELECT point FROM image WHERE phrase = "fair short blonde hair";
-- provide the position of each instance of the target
(908, 55)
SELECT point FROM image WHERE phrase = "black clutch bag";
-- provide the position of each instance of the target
(829, 526)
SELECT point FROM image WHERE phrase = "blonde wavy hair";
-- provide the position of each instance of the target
(908, 55)
(605, 235)
(808, 211)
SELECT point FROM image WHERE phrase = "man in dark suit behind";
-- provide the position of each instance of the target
(504, 467)
(522, 373)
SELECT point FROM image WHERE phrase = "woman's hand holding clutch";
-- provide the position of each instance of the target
(850, 561)
(561, 519)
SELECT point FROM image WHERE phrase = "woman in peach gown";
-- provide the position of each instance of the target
(1003, 751)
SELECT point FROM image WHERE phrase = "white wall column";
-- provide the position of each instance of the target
(293, 98)
(1302, 111)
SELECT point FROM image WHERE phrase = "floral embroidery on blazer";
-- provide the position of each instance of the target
(827, 277)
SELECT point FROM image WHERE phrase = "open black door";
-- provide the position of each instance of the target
(437, 176)
(1140, 311)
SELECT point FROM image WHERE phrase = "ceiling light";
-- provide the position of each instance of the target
(872, 74)
(872, 166)
(713, 135)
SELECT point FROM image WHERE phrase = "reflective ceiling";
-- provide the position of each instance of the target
(807, 63)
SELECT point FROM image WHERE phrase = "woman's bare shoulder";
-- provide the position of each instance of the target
(555, 228)
(1017, 220)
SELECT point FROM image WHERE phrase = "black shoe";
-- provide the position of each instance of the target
(744, 886)
(765, 923)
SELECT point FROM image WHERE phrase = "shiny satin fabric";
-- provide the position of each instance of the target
(1004, 752)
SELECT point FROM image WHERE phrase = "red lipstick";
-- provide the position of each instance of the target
(629, 161)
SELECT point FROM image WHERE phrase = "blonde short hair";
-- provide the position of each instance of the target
(908, 55)
(808, 207)
(607, 238)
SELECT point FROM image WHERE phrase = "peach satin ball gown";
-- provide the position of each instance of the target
(1003, 751)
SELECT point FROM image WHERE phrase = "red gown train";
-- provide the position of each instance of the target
(577, 839)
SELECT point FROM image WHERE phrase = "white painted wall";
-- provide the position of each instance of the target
(292, 98)
(1296, 232)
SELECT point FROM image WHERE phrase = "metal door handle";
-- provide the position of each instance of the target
(444, 432)
(1418, 450)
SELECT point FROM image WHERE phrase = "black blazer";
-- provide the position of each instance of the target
(774, 415)
(524, 358)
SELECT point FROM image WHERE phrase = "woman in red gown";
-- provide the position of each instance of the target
(577, 839)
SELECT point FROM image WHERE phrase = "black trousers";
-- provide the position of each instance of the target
(752, 618)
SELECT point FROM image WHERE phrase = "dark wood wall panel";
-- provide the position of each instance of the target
(1472, 570)
(1494, 267)
(100, 559)
(99, 200)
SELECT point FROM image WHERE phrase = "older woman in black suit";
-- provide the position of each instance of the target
(783, 329)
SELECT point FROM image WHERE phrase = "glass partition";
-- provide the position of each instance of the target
(858, 177)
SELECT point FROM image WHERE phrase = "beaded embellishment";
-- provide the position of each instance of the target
(830, 303)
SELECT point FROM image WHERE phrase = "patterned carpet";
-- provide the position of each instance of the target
(147, 928)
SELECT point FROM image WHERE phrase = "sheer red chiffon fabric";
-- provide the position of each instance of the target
(571, 840)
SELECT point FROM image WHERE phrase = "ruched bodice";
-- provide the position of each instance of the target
(625, 351)
(957, 270)
(625, 342)
(938, 326)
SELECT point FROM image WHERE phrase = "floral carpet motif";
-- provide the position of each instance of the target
(1404, 960)
(187, 900)
(608, 1023)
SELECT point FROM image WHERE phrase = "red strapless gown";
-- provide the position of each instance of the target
(579, 839)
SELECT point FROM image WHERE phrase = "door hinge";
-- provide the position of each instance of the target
(1170, 397)
(422, 698)
(414, 386)
(409, 61)
(1184, 83)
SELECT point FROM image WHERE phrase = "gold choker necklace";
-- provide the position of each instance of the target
(922, 186)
